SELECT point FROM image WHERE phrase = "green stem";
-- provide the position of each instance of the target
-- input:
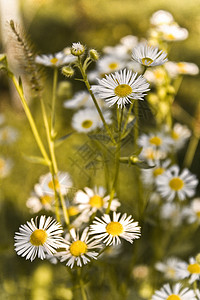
(83, 293)
(55, 81)
(54, 170)
(127, 117)
(30, 118)
(194, 140)
(84, 75)
(135, 128)
(117, 163)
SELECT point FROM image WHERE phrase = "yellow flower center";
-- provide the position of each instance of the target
(54, 60)
(158, 74)
(155, 140)
(174, 135)
(123, 90)
(194, 268)
(114, 228)
(87, 124)
(146, 61)
(198, 214)
(38, 237)
(181, 67)
(96, 201)
(176, 184)
(45, 199)
(51, 186)
(113, 66)
(2, 164)
(77, 248)
(158, 171)
(170, 36)
(173, 297)
(171, 272)
(72, 211)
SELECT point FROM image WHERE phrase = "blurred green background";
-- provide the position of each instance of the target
(53, 25)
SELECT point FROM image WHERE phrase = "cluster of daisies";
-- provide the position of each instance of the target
(8, 135)
(43, 238)
(122, 75)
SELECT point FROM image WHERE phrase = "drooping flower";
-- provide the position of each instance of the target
(149, 56)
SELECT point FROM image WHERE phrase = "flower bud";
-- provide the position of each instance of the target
(77, 49)
(67, 71)
(94, 55)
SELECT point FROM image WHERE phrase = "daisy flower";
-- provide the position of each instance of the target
(172, 32)
(129, 42)
(191, 269)
(156, 76)
(181, 68)
(80, 250)
(152, 154)
(192, 212)
(81, 99)
(149, 56)
(158, 140)
(8, 135)
(62, 183)
(172, 184)
(121, 87)
(119, 51)
(180, 134)
(88, 119)
(177, 292)
(38, 240)
(93, 200)
(55, 60)
(172, 213)
(149, 176)
(161, 17)
(39, 200)
(5, 167)
(168, 268)
(110, 63)
(110, 231)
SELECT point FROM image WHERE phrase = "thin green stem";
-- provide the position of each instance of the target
(136, 128)
(117, 162)
(54, 170)
(194, 141)
(53, 104)
(84, 75)
(30, 119)
(81, 283)
(127, 117)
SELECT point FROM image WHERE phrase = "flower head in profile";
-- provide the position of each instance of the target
(80, 250)
(39, 240)
(149, 56)
(55, 60)
(176, 292)
(181, 68)
(172, 32)
(93, 200)
(110, 231)
(121, 87)
(175, 183)
(77, 49)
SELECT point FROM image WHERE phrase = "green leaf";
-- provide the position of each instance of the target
(36, 160)
(100, 137)
(59, 141)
